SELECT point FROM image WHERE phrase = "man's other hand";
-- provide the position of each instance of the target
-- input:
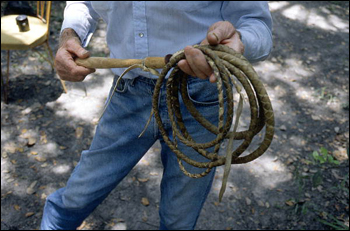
(222, 32)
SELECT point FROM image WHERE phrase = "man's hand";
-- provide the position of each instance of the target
(70, 48)
(222, 32)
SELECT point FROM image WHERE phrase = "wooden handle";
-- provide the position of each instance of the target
(99, 62)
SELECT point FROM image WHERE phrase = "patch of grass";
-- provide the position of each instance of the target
(335, 223)
(322, 157)
(324, 95)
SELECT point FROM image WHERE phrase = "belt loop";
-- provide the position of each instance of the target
(132, 81)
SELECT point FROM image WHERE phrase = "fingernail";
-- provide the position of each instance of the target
(217, 38)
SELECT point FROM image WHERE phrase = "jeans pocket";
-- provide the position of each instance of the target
(202, 92)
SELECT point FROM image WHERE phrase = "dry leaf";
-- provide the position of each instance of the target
(29, 214)
(290, 202)
(81, 227)
(31, 141)
(17, 207)
(79, 132)
(144, 162)
(142, 180)
(30, 189)
(4, 155)
(43, 196)
(341, 154)
(145, 201)
(40, 159)
(43, 138)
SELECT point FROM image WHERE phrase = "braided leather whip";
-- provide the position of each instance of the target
(228, 66)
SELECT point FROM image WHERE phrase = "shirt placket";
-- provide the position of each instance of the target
(140, 29)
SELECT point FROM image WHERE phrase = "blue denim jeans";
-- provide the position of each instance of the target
(116, 149)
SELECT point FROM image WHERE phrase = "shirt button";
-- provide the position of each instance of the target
(141, 35)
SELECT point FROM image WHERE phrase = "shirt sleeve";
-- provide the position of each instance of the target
(254, 22)
(82, 18)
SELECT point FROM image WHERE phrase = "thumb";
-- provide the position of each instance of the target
(219, 32)
(75, 48)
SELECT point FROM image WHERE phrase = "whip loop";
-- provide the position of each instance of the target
(229, 67)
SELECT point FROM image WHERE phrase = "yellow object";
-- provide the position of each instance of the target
(13, 39)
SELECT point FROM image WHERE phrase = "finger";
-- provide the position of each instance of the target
(235, 43)
(220, 31)
(204, 42)
(69, 70)
(185, 67)
(74, 47)
(212, 78)
(197, 62)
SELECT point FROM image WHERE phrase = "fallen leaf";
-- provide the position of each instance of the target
(29, 214)
(142, 180)
(341, 154)
(261, 203)
(79, 132)
(290, 202)
(43, 196)
(30, 189)
(315, 117)
(145, 162)
(145, 201)
(283, 128)
(40, 159)
(17, 207)
(4, 155)
(31, 141)
(82, 226)
(43, 138)
(44, 165)
(248, 201)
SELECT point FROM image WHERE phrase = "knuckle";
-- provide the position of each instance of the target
(69, 43)
(75, 72)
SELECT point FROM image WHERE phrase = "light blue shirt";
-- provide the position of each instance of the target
(139, 29)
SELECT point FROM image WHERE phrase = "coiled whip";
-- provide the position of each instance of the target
(228, 67)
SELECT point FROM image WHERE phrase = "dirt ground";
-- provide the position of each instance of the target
(301, 182)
